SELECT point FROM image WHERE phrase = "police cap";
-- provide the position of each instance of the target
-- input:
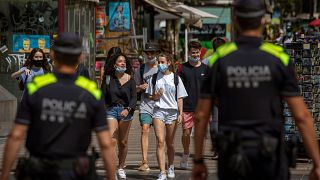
(250, 8)
(151, 47)
(68, 43)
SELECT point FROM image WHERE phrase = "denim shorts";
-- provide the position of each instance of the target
(114, 112)
(167, 116)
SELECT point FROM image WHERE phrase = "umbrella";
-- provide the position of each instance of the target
(315, 22)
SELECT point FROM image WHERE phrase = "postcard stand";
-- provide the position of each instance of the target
(305, 56)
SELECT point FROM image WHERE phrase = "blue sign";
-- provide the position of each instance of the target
(25, 43)
(119, 16)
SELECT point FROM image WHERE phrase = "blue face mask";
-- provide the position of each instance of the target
(120, 69)
(162, 67)
(194, 60)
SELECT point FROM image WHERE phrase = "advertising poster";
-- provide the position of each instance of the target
(25, 43)
(119, 16)
(100, 21)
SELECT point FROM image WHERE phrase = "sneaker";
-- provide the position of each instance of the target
(162, 176)
(122, 174)
(171, 172)
(184, 161)
(144, 167)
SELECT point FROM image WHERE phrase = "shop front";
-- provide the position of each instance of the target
(24, 25)
(79, 17)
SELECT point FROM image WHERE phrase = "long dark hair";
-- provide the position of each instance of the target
(45, 65)
(110, 70)
(112, 51)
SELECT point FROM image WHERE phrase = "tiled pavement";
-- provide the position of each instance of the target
(134, 157)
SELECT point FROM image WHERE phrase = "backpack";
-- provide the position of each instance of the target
(175, 80)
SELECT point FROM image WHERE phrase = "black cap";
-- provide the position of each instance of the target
(250, 8)
(68, 43)
(151, 47)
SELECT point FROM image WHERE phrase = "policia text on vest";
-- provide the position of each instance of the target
(249, 79)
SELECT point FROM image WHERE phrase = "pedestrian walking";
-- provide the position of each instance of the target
(249, 79)
(121, 99)
(216, 43)
(112, 51)
(142, 77)
(192, 74)
(35, 65)
(58, 124)
(168, 91)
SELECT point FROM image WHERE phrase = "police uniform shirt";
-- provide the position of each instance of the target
(49, 102)
(249, 78)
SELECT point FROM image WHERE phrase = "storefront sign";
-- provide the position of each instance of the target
(119, 16)
(25, 43)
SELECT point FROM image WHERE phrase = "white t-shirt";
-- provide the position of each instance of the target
(168, 99)
(146, 104)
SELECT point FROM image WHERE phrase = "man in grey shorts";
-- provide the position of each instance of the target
(142, 76)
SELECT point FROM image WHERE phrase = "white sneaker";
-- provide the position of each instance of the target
(162, 176)
(122, 174)
(184, 161)
(171, 172)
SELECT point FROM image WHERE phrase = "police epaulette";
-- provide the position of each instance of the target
(276, 51)
(90, 86)
(41, 81)
(222, 51)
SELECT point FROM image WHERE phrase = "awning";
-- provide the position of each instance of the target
(91, 1)
(191, 12)
(161, 6)
(166, 15)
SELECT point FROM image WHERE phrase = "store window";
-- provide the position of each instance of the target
(79, 18)
(21, 20)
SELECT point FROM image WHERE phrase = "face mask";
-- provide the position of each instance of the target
(37, 63)
(194, 60)
(162, 67)
(151, 61)
(120, 69)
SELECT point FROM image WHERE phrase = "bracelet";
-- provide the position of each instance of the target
(198, 161)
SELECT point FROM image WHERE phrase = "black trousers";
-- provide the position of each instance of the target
(41, 169)
(262, 168)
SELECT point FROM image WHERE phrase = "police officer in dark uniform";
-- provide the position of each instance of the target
(250, 78)
(58, 113)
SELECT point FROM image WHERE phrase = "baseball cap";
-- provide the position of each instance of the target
(151, 47)
(250, 8)
(68, 43)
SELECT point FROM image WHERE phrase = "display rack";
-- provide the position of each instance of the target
(305, 56)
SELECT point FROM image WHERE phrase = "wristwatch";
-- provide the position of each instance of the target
(128, 108)
(198, 161)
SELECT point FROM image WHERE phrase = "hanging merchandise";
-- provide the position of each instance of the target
(304, 54)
